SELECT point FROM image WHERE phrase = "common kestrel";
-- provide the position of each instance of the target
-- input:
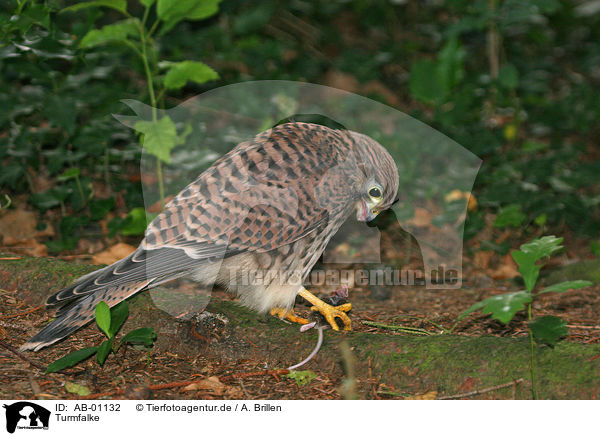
(270, 205)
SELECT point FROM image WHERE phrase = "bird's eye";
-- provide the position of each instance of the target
(375, 192)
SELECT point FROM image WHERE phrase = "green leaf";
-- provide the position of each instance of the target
(100, 207)
(44, 200)
(78, 389)
(135, 223)
(103, 351)
(530, 253)
(119, 314)
(188, 71)
(158, 138)
(540, 220)
(543, 247)
(119, 5)
(510, 215)
(451, 64)
(527, 267)
(142, 336)
(301, 377)
(118, 31)
(71, 173)
(71, 359)
(424, 83)
(103, 317)
(566, 286)
(147, 3)
(548, 329)
(173, 11)
(501, 307)
(508, 76)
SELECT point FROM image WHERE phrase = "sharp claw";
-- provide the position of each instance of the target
(336, 312)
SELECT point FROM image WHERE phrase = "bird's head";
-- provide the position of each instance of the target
(377, 185)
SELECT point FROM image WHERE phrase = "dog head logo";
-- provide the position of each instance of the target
(24, 414)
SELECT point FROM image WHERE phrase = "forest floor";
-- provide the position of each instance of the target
(481, 358)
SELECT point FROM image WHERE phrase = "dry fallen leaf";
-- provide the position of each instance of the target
(506, 270)
(211, 384)
(18, 225)
(457, 194)
(426, 396)
(112, 254)
(421, 218)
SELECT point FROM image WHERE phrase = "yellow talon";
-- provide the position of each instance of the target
(328, 311)
(288, 314)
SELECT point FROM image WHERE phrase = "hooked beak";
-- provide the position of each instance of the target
(364, 212)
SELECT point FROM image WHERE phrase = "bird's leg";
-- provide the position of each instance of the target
(328, 311)
(288, 314)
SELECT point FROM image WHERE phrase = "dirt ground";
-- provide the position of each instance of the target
(137, 374)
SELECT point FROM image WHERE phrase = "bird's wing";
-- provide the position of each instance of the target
(258, 197)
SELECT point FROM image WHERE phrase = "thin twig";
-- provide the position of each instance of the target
(35, 309)
(481, 391)
(21, 355)
(398, 328)
(590, 327)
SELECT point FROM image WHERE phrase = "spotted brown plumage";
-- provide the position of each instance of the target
(270, 204)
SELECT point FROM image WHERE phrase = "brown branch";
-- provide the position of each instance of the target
(21, 355)
(35, 309)
(179, 384)
(481, 391)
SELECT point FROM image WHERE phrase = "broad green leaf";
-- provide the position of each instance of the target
(71, 173)
(71, 359)
(188, 71)
(301, 377)
(142, 336)
(450, 64)
(119, 314)
(103, 351)
(510, 215)
(158, 138)
(527, 267)
(425, 84)
(147, 3)
(543, 247)
(110, 33)
(540, 220)
(76, 388)
(548, 329)
(173, 11)
(100, 207)
(103, 317)
(565, 286)
(501, 307)
(44, 200)
(119, 5)
(530, 253)
(135, 223)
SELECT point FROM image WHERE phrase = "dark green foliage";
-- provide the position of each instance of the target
(532, 117)
(109, 321)
(531, 257)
